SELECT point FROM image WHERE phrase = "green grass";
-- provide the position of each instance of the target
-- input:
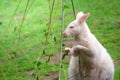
(18, 56)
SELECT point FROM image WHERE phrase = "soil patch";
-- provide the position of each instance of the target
(56, 58)
(117, 62)
(52, 76)
(29, 74)
(117, 23)
(18, 16)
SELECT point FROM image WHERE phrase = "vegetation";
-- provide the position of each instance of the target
(30, 33)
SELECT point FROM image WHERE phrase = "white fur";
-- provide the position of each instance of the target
(95, 62)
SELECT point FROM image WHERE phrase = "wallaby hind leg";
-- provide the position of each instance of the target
(105, 75)
(73, 73)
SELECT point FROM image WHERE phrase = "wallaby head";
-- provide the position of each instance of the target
(75, 27)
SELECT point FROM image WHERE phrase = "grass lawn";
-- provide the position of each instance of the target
(22, 47)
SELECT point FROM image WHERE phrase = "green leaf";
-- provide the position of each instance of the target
(63, 44)
(44, 51)
(39, 63)
(47, 23)
(46, 33)
(53, 37)
(34, 62)
(37, 78)
(62, 66)
(0, 23)
(15, 29)
(66, 6)
(33, 73)
(13, 54)
(48, 58)
(64, 55)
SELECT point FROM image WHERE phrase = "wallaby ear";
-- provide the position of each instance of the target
(84, 17)
(79, 14)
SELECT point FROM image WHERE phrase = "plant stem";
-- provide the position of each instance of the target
(73, 8)
(61, 41)
(49, 24)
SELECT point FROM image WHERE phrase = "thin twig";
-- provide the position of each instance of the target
(24, 16)
(73, 8)
(20, 27)
(119, 71)
(49, 24)
(20, 32)
(47, 36)
(49, 5)
(30, 6)
(61, 40)
(12, 17)
(14, 13)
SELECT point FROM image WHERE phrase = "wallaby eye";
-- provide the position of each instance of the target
(71, 27)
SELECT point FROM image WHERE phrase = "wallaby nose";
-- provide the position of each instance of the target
(64, 34)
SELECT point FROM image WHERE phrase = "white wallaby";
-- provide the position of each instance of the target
(95, 63)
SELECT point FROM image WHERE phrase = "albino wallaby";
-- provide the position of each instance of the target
(95, 63)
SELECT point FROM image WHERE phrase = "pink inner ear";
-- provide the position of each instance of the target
(84, 17)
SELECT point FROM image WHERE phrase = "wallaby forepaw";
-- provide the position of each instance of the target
(67, 49)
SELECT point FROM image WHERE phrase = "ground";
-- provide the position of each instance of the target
(22, 46)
